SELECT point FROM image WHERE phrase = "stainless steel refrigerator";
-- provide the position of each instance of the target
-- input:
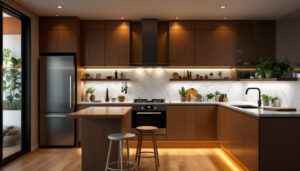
(57, 75)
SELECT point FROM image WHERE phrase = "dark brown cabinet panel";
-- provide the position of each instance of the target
(117, 44)
(206, 117)
(181, 123)
(224, 41)
(182, 37)
(59, 34)
(203, 47)
(92, 47)
(238, 133)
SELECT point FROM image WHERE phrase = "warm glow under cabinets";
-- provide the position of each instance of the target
(156, 69)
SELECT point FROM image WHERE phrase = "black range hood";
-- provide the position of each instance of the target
(149, 36)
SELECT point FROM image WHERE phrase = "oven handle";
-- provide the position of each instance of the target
(148, 113)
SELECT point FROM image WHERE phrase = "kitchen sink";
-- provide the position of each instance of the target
(246, 106)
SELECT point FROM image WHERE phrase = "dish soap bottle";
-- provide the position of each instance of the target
(116, 75)
(107, 97)
(225, 98)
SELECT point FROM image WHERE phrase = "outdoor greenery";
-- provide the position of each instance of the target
(274, 68)
(182, 91)
(11, 84)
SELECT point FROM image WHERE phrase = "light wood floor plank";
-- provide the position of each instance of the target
(171, 159)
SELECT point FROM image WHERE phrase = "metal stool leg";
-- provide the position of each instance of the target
(154, 151)
(137, 147)
(121, 154)
(140, 148)
(108, 155)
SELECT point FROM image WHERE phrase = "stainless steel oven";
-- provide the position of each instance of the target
(150, 115)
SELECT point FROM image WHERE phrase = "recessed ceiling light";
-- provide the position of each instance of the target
(177, 18)
(122, 18)
(59, 6)
(222, 6)
(225, 18)
(56, 15)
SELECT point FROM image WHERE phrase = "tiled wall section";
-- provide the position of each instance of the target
(154, 83)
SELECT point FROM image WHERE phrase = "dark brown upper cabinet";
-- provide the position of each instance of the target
(182, 41)
(224, 43)
(203, 43)
(59, 34)
(117, 43)
(105, 43)
(92, 43)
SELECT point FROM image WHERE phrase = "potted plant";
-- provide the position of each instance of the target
(217, 96)
(220, 74)
(265, 99)
(121, 98)
(211, 75)
(182, 93)
(91, 92)
(210, 97)
(87, 75)
(252, 75)
(274, 101)
(122, 75)
(268, 73)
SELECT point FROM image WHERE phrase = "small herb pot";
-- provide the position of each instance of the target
(266, 102)
(275, 104)
(121, 99)
(92, 98)
(182, 98)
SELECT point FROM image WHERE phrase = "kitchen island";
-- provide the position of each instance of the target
(97, 123)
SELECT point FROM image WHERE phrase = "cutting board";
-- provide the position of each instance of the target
(191, 91)
(280, 108)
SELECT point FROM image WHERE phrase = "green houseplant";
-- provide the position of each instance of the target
(266, 99)
(217, 96)
(91, 91)
(182, 93)
(274, 68)
(11, 84)
(121, 98)
(210, 96)
(274, 101)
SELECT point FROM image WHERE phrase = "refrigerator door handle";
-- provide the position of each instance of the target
(55, 116)
(70, 79)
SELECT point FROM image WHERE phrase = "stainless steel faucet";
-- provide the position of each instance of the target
(259, 94)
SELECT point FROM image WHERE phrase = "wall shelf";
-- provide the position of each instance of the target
(172, 79)
(270, 79)
(84, 79)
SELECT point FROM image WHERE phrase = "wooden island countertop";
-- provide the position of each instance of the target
(103, 112)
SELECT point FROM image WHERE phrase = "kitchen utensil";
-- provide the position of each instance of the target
(280, 108)
(192, 91)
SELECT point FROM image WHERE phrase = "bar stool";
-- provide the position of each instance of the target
(120, 137)
(147, 130)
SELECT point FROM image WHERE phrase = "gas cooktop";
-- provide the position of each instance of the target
(149, 100)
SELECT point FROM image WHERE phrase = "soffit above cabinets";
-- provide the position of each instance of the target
(165, 10)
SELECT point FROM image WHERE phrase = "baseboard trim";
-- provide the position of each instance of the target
(178, 144)
(34, 147)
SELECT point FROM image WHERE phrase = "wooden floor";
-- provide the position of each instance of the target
(193, 159)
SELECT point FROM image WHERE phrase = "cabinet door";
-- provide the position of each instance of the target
(48, 40)
(67, 40)
(182, 44)
(92, 47)
(206, 117)
(224, 40)
(181, 123)
(203, 47)
(117, 47)
(223, 127)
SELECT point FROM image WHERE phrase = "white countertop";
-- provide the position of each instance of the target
(254, 112)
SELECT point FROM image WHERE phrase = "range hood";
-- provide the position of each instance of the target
(149, 36)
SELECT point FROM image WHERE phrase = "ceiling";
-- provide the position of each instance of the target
(164, 9)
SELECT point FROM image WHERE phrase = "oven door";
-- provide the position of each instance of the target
(149, 118)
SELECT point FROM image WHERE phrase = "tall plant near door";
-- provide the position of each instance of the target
(11, 83)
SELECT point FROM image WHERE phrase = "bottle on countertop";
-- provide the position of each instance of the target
(225, 99)
(116, 75)
(107, 96)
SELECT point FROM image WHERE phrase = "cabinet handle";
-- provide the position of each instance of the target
(70, 79)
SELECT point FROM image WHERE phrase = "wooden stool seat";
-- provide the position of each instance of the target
(146, 128)
(120, 136)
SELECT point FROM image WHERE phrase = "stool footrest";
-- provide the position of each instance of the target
(127, 165)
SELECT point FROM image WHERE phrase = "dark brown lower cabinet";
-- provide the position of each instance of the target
(238, 133)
